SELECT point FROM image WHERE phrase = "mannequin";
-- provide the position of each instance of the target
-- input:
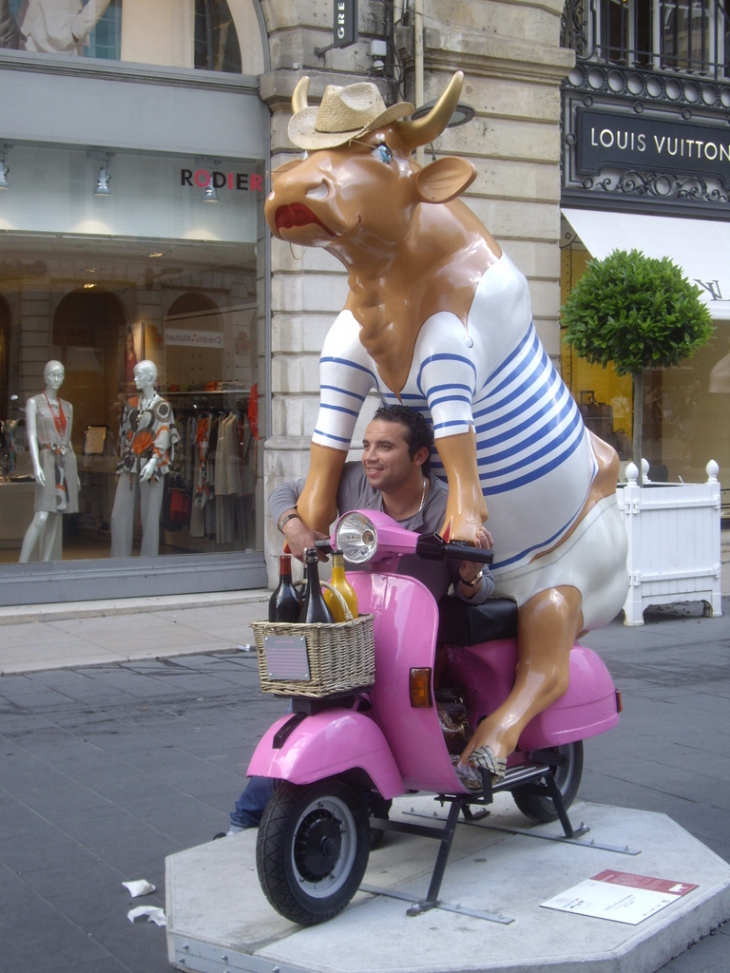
(49, 419)
(60, 26)
(147, 447)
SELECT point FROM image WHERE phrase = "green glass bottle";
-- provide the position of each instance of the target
(314, 608)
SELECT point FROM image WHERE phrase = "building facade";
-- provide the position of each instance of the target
(646, 166)
(133, 154)
(135, 145)
(136, 142)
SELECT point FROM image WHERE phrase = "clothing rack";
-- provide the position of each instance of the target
(218, 475)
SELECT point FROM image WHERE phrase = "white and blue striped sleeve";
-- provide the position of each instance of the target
(345, 376)
(447, 379)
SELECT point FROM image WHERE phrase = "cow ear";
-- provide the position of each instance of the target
(445, 179)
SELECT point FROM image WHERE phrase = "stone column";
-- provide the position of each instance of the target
(308, 286)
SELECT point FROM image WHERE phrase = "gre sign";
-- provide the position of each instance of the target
(345, 23)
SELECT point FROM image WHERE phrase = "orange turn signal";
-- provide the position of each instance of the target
(420, 688)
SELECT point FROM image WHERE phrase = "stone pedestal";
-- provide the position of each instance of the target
(218, 918)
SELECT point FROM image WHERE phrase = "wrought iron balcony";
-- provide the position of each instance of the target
(646, 110)
(686, 36)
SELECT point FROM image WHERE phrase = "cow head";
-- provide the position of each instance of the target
(358, 197)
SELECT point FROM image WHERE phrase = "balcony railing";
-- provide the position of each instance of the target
(690, 37)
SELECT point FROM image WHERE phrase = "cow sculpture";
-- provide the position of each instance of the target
(439, 319)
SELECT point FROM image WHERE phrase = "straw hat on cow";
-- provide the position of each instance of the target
(344, 114)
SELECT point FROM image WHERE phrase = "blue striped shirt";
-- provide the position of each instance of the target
(534, 457)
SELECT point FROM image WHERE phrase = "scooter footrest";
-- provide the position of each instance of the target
(517, 776)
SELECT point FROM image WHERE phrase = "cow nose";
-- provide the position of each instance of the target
(318, 192)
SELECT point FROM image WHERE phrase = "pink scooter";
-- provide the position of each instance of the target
(341, 760)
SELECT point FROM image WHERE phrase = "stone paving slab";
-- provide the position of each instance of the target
(214, 902)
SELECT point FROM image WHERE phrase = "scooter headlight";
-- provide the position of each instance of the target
(357, 538)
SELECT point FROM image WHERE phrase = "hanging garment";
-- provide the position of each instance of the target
(60, 492)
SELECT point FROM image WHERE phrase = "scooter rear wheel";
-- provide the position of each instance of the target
(312, 850)
(567, 777)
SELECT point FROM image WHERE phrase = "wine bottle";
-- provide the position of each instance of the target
(314, 608)
(340, 583)
(284, 604)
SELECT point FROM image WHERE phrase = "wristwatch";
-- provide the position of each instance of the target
(286, 519)
(474, 583)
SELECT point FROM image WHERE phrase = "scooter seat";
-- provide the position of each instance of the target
(462, 624)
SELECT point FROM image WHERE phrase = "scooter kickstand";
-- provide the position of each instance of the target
(559, 805)
(431, 901)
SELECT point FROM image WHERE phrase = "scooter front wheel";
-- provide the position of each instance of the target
(312, 850)
(567, 775)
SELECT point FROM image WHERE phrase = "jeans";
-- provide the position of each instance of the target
(252, 803)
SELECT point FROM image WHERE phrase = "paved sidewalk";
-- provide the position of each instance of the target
(39, 637)
(105, 769)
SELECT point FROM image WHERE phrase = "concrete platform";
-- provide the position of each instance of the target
(219, 920)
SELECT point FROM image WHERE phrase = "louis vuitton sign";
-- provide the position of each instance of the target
(607, 140)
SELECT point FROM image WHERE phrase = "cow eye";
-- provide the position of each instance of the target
(383, 153)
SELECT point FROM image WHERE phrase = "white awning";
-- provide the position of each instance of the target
(700, 247)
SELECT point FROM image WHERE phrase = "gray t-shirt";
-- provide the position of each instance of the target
(355, 493)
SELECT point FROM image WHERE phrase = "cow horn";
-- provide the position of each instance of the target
(421, 131)
(299, 98)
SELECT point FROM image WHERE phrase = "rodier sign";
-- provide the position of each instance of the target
(242, 181)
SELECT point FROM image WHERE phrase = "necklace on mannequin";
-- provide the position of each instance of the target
(57, 413)
(145, 404)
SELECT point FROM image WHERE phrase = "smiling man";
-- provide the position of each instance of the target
(393, 476)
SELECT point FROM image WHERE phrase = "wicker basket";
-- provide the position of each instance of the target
(341, 657)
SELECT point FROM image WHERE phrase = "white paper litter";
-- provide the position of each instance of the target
(141, 887)
(245, 648)
(153, 913)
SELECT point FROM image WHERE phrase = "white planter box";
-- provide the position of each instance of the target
(674, 543)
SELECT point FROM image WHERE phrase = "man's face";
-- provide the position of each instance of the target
(385, 456)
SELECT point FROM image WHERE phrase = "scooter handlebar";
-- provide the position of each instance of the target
(432, 547)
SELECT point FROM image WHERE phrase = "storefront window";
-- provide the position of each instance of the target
(677, 35)
(216, 41)
(152, 272)
(692, 35)
(686, 408)
(212, 35)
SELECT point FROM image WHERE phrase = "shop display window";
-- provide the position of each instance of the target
(100, 309)
(686, 419)
(211, 35)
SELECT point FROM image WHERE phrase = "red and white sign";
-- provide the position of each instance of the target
(619, 896)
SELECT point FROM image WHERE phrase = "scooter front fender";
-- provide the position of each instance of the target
(325, 744)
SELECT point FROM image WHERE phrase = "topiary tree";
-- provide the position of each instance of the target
(635, 311)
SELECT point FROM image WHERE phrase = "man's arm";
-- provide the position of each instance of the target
(283, 508)
(472, 582)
